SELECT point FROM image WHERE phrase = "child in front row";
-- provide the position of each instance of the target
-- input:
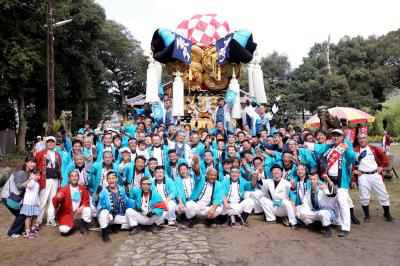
(30, 206)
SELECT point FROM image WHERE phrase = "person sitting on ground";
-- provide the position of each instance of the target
(114, 208)
(234, 203)
(317, 205)
(206, 198)
(72, 202)
(150, 209)
(278, 203)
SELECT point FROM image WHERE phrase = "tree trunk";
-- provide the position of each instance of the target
(22, 123)
(86, 118)
(123, 101)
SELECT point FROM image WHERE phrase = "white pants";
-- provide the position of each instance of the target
(372, 182)
(142, 219)
(86, 216)
(193, 208)
(344, 203)
(171, 216)
(270, 210)
(324, 216)
(255, 195)
(106, 218)
(46, 200)
(92, 207)
(245, 205)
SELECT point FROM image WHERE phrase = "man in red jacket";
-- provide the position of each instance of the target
(72, 202)
(371, 160)
(48, 162)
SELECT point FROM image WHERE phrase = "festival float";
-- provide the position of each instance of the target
(205, 60)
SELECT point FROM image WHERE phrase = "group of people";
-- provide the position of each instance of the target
(157, 173)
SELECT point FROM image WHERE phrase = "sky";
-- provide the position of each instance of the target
(289, 27)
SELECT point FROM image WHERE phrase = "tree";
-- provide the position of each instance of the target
(124, 61)
(20, 57)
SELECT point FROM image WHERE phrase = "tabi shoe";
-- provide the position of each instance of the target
(285, 221)
(105, 235)
(367, 217)
(243, 219)
(327, 231)
(155, 229)
(115, 228)
(232, 220)
(343, 233)
(51, 223)
(294, 226)
(225, 219)
(172, 223)
(211, 223)
(83, 228)
(386, 214)
(269, 222)
(354, 219)
(134, 230)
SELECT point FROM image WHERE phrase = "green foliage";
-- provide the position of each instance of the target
(124, 62)
(82, 72)
(364, 72)
(391, 113)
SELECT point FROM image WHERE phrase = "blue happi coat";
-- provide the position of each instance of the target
(180, 193)
(170, 187)
(105, 203)
(136, 194)
(217, 193)
(244, 186)
(349, 157)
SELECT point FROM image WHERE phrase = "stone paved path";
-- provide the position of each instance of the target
(172, 246)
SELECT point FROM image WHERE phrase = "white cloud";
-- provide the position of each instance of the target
(287, 26)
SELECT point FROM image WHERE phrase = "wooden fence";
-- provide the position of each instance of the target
(7, 141)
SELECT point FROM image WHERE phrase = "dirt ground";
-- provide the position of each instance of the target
(375, 243)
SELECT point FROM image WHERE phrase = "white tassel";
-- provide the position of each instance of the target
(258, 82)
(234, 86)
(158, 67)
(178, 97)
(250, 69)
(152, 83)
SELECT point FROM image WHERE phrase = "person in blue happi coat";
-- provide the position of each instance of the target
(338, 157)
(166, 187)
(206, 198)
(234, 201)
(185, 183)
(114, 207)
(150, 209)
(98, 174)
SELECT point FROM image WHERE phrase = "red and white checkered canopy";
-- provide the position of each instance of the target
(203, 30)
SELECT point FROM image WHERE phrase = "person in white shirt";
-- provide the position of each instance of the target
(279, 203)
(372, 160)
(317, 205)
(206, 198)
(234, 203)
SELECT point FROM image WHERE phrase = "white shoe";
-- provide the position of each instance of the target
(51, 223)
(172, 223)
(15, 235)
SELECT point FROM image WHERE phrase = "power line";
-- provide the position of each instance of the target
(26, 8)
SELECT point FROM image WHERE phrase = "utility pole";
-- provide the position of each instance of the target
(327, 55)
(50, 69)
(51, 108)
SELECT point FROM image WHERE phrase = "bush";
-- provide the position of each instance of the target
(378, 139)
